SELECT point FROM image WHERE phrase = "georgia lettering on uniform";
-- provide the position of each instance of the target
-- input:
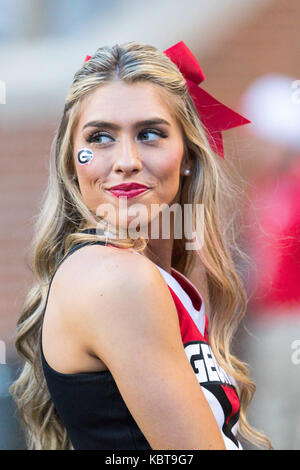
(215, 381)
(204, 363)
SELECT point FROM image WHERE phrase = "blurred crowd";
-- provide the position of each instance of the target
(272, 241)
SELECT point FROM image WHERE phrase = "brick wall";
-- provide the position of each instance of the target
(23, 180)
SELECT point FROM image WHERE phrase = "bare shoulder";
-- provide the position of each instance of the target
(104, 280)
(87, 262)
(113, 293)
(93, 265)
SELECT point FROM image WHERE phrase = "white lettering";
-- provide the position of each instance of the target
(206, 366)
(210, 366)
(193, 350)
(296, 93)
(2, 92)
(2, 352)
(296, 354)
(116, 460)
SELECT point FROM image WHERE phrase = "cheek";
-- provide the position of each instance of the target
(89, 166)
(91, 171)
(168, 173)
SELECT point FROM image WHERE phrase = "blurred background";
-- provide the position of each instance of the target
(249, 52)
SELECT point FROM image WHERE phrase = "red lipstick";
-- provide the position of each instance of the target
(128, 190)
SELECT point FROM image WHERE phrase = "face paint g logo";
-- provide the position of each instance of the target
(85, 156)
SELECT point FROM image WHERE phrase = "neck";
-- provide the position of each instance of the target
(159, 251)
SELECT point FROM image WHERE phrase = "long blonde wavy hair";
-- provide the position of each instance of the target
(63, 214)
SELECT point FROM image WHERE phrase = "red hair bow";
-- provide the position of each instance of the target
(215, 116)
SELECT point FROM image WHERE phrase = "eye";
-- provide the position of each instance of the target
(155, 132)
(94, 137)
(102, 138)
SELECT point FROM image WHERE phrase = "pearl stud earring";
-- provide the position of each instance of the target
(187, 171)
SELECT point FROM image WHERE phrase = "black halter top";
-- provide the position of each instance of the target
(90, 404)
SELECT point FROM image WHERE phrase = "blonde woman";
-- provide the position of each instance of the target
(119, 352)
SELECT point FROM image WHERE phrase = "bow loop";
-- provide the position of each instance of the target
(186, 62)
(214, 115)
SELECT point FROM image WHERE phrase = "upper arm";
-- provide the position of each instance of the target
(132, 325)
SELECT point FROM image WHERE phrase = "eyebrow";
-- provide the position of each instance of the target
(110, 125)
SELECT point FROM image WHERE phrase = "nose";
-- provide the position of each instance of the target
(128, 159)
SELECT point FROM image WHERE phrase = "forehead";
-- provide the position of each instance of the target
(126, 102)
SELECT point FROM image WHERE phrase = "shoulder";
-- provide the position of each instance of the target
(110, 274)
(111, 266)
(111, 294)
(97, 281)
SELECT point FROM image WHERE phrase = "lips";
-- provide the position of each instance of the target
(128, 190)
(128, 186)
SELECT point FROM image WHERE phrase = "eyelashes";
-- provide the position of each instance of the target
(92, 138)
